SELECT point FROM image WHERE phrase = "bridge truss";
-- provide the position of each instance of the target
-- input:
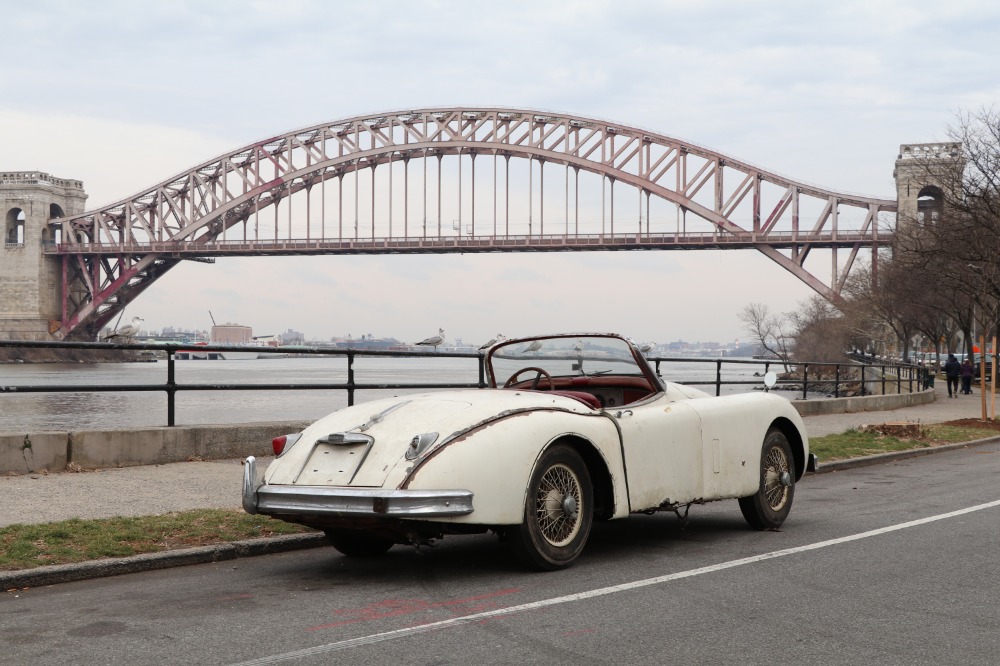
(454, 180)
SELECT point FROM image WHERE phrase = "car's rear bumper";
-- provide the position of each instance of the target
(340, 501)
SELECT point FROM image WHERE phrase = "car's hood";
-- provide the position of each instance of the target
(361, 445)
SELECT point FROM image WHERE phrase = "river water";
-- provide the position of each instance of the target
(39, 412)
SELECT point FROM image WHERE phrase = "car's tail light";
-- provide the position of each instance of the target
(284, 442)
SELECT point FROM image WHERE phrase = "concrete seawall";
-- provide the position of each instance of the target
(93, 449)
(25, 453)
(868, 403)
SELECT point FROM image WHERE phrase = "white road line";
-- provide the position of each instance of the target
(599, 592)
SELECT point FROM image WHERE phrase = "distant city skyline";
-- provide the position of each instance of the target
(822, 93)
(170, 331)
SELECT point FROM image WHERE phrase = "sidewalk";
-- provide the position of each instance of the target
(942, 409)
(154, 489)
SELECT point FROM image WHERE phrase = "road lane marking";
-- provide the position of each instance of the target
(599, 592)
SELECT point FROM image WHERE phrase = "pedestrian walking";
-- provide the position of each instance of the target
(952, 371)
(968, 372)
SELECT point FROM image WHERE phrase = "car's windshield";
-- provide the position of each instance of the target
(563, 356)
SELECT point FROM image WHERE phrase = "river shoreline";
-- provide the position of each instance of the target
(27, 355)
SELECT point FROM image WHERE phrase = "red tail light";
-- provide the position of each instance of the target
(284, 442)
(278, 444)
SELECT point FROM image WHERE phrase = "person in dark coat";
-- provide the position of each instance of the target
(952, 371)
(968, 372)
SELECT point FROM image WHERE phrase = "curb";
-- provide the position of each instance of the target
(65, 573)
(880, 458)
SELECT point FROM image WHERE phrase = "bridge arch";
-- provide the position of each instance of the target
(112, 253)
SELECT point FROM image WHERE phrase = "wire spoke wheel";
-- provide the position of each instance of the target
(557, 505)
(558, 512)
(775, 465)
(769, 506)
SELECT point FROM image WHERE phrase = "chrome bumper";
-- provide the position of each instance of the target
(327, 500)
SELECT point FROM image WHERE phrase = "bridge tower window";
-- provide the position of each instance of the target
(14, 233)
(53, 233)
(930, 203)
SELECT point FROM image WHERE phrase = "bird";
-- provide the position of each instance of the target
(533, 347)
(126, 331)
(492, 341)
(646, 347)
(434, 340)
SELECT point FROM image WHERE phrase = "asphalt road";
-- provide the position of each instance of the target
(887, 564)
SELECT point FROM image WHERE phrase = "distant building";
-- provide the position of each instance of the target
(291, 337)
(231, 334)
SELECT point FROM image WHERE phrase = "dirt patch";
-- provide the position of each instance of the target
(898, 430)
(974, 423)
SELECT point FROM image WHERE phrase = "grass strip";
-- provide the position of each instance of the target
(855, 443)
(75, 540)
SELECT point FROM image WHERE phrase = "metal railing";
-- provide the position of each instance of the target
(889, 375)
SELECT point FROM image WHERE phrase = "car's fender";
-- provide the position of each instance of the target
(733, 431)
(495, 461)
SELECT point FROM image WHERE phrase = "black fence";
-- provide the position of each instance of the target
(820, 379)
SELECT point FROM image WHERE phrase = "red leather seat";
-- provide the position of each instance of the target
(588, 399)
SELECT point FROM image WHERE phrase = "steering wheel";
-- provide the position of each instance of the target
(539, 374)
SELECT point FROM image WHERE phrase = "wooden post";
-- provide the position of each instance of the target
(993, 380)
(982, 371)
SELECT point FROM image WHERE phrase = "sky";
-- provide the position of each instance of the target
(123, 94)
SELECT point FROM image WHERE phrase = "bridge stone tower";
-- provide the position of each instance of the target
(30, 283)
(925, 176)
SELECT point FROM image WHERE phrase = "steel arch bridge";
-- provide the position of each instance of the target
(289, 194)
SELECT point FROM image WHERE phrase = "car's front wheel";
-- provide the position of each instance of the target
(355, 543)
(558, 512)
(769, 506)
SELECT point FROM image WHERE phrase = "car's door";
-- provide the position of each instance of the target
(663, 452)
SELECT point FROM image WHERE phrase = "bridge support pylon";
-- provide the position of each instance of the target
(925, 176)
(31, 283)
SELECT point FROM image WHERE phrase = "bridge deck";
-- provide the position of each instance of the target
(395, 245)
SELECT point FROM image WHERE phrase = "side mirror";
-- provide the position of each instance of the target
(770, 379)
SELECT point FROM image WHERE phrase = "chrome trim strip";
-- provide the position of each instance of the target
(373, 502)
(364, 456)
(305, 460)
(345, 439)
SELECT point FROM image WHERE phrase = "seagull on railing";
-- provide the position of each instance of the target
(489, 343)
(434, 340)
(533, 347)
(126, 331)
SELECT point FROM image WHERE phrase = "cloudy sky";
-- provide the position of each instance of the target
(124, 94)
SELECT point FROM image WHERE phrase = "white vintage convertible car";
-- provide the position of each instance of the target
(572, 429)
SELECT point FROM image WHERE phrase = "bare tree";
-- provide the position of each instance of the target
(822, 333)
(895, 301)
(768, 330)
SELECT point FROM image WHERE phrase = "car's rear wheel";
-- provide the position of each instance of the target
(355, 543)
(769, 506)
(558, 512)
